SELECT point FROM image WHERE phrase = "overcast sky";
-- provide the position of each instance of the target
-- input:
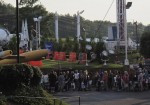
(96, 9)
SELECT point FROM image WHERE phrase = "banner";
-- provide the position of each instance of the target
(49, 46)
(62, 56)
(36, 63)
(59, 56)
(72, 57)
(56, 56)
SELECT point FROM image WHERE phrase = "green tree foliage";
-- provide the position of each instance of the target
(145, 45)
(12, 44)
(2, 100)
(28, 2)
(68, 45)
(147, 28)
(7, 17)
(6, 8)
(98, 50)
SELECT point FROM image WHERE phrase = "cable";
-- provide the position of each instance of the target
(105, 16)
(66, 22)
(70, 18)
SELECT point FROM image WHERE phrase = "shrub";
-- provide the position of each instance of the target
(2, 100)
(29, 96)
(15, 76)
(36, 77)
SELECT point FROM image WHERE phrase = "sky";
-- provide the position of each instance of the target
(96, 9)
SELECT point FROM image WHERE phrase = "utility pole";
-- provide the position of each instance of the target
(17, 31)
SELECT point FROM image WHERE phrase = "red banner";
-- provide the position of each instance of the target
(72, 57)
(56, 55)
(60, 56)
(36, 63)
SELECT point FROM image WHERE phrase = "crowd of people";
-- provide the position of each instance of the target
(114, 80)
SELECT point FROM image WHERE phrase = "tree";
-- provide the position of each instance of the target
(98, 50)
(145, 45)
(12, 45)
(147, 28)
(28, 2)
(7, 16)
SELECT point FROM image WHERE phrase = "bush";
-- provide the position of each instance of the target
(16, 76)
(2, 100)
(23, 81)
(36, 79)
(29, 94)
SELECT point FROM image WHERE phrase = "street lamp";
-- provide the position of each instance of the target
(125, 29)
(38, 32)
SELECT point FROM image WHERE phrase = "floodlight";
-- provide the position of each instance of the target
(129, 4)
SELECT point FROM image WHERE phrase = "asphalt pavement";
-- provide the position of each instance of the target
(105, 98)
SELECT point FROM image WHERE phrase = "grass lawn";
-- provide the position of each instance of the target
(52, 64)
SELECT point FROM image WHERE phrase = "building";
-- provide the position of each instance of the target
(112, 41)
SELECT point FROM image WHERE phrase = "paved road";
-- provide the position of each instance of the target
(106, 98)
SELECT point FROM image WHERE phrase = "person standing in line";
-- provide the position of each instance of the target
(67, 80)
(76, 79)
(125, 81)
(110, 80)
(105, 79)
(140, 79)
(52, 81)
(61, 81)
